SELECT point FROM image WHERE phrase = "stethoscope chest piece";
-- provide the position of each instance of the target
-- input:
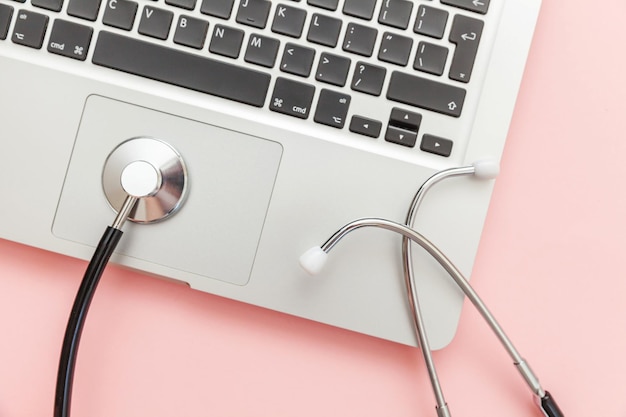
(146, 157)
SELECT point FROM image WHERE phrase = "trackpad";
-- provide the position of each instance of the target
(231, 176)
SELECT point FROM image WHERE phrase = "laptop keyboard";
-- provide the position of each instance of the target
(313, 60)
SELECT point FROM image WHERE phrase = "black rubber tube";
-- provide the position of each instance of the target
(65, 377)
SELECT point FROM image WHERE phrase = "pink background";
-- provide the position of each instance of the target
(550, 266)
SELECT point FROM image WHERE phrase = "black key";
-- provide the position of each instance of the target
(288, 21)
(155, 22)
(54, 5)
(368, 78)
(30, 29)
(254, 13)
(292, 98)
(360, 39)
(297, 60)
(6, 12)
(85, 9)
(465, 33)
(360, 8)
(226, 41)
(430, 58)
(365, 126)
(396, 13)
(262, 50)
(430, 22)
(191, 31)
(325, 4)
(120, 14)
(395, 48)
(405, 119)
(333, 69)
(401, 136)
(217, 8)
(332, 108)
(184, 4)
(427, 94)
(436, 145)
(478, 6)
(70, 39)
(324, 30)
(181, 68)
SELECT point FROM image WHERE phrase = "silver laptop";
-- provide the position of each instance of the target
(292, 118)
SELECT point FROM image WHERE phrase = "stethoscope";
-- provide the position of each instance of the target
(314, 259)
(149, 179)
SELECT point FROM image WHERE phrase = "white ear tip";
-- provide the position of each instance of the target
(313, 260)
(486, 169)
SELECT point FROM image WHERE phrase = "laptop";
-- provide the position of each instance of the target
(289, 119)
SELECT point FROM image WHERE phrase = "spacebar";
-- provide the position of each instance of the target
(181, 68)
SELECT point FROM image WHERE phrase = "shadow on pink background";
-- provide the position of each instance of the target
(550, 266)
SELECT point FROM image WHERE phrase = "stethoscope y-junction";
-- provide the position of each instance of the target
(314, 259)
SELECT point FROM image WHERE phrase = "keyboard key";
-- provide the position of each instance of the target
(297, 60)
(365, 126)
(360, 8)
(430, 58)
(324, 30)
(288, 21)
(70, 39)
(333, 69)
(120, 14)
(465, 33)
(191, 32)
(217, 8)
(332, 108)
(436, 145)
(155, 22)
(181, 68)
(396, 13)
(478, 6)
(395, 49)
(368, 78)
(430, 22)
(360, 39)
(405, 119)
(262, 50)
(183, 4)
(254, 13)
(54, 5)
(325, 4)
(6, 12)
(226, 41)
(292, 98)
(426, 94)
(85, 9)
(401, 136)
(30, 29)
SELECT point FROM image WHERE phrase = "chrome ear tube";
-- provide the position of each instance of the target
(314, 259)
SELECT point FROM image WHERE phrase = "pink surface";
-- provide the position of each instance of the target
(550, 266)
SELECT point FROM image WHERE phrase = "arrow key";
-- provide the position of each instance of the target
(365, 126)
(436, 145)
(401, 136)
(405, 119)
